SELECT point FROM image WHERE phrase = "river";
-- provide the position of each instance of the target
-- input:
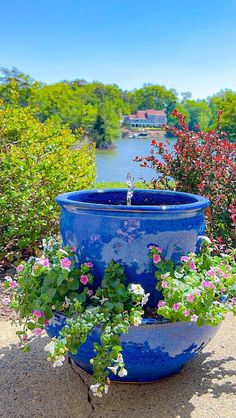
(113, 165)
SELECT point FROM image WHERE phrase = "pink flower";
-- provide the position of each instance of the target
(194, 318)
(46, 262)
(65, 263)
(159, 249)
(156, 258)
(206, 283)
(192, 265)
(88, 264)
(187, 312)
(46, 322)
(42, 261)
(176, 306)
(190, 297)
(24, 338)
(19, 268)
(37, 331)
(38, 314)
(72, 249)
(164, 284)
(90, 292)
(210, 273)
(161, 303)
(6, 301)
(222, 290)
(184, 258)
(222, 274)
(198, 292)
(13, 284)
(84, 279)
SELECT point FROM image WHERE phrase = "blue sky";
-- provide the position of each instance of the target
(189, 45)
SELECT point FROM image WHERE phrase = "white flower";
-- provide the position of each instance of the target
(120, 358)
(178, 275)
(107, 329)
(113, 369)
(137, 321)
(136, 289)
(50, 347)
(67, 302)
(58, 361)
(145, 299)
(164, 276)
(63, 251)
(204, 238)
(96, 390)
(103, 300)
(122, 372)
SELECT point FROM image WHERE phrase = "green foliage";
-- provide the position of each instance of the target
(227, 104)
(199, 112)
(202, 289)
(37, 161)
(51, 283)
(15, 81)
(117, 185)
(95, 107)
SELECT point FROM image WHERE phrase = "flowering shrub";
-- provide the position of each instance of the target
(200, 289)
(203, 163)
(37, 162)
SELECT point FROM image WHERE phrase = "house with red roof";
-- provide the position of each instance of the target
(146, 118)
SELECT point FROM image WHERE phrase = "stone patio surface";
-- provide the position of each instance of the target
(30, 387)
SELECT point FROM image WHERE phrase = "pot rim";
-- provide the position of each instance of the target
(66, 200)
(152, 321)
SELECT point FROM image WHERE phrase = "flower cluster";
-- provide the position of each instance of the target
(201, 289)
(202, 162)
(46, 284)
(52, 282)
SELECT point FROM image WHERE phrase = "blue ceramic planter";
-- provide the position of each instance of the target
(102, 228)
(151, 351)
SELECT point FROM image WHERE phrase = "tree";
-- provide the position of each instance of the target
(15, 80)
(152, 97)
(99, 134)
(199, 112)
(227, 105)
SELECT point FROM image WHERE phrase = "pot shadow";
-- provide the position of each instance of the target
(30, 387)
(175, 396)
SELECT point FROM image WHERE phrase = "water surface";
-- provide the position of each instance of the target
(113, 165)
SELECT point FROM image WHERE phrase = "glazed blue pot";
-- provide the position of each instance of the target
(151, 351)
(103, 228)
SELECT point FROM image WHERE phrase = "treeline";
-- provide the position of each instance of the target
(96, 108)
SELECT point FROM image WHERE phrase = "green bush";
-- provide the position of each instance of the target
(37, 161)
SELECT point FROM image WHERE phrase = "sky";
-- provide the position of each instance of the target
(189, 45)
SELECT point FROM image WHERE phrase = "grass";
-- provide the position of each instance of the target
(123, 185)
(117, 185)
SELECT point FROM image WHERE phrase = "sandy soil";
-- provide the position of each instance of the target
(30, 387)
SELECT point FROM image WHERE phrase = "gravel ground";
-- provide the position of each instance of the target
(30, 387)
